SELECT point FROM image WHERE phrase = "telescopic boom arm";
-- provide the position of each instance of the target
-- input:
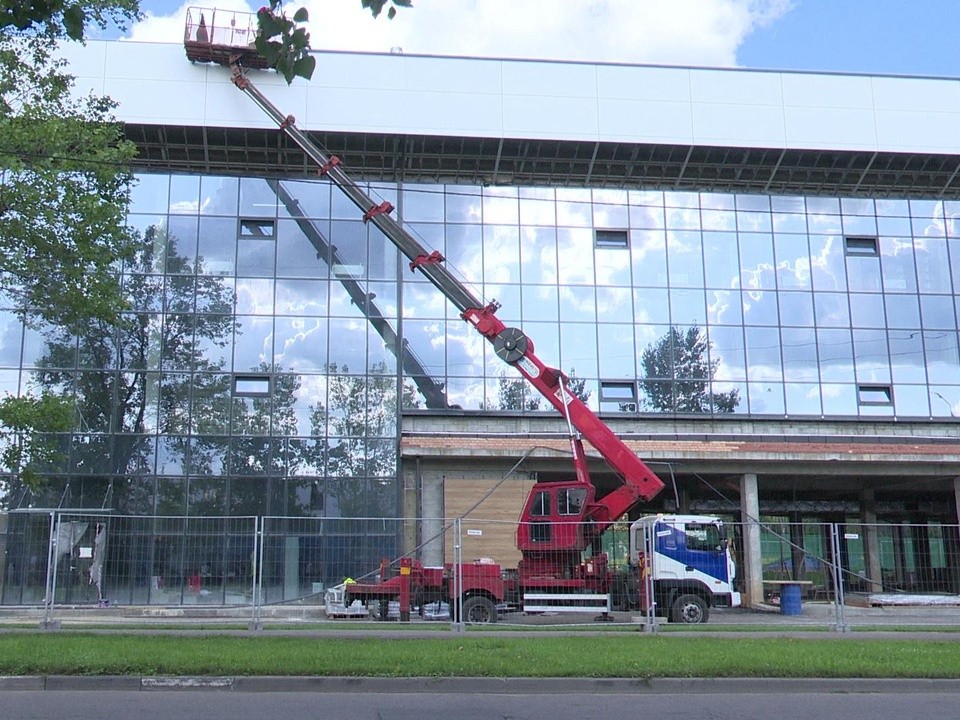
(510, 344)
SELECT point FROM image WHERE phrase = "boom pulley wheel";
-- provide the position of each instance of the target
(510, 345)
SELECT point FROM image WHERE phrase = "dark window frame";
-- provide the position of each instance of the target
(627, 401)
(611, 239)
(241, 379)
(861, 245)
(253, 228)
(874, 395)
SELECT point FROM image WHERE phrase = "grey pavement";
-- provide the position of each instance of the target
(466, 685)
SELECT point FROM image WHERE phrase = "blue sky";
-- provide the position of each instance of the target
(902, 37)
(906, 37)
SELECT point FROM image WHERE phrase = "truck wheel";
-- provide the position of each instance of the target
(479, 609)
(689, 609)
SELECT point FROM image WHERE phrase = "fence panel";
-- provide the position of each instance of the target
(144, 560)
(305, 557)
(26, 541)
(900, 574)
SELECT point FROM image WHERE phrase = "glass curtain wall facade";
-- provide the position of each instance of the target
(273, 338)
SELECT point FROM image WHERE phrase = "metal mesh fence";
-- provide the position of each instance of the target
(469, 571)
(135, 560)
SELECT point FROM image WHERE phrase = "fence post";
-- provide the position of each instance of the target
(48, 623)
(837, 571)
(456, 605)
(256, 623)
(646, 577)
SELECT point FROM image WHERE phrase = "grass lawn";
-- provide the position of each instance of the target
(621, 655)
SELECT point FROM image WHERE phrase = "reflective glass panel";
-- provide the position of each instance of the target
(763, 354)
(538, 254)
(796, 308)
(727, 349)
(836, 357)
(943, 356)
(871, 356)
(793, 262)
(651, 305)
(724, 307)
(685, 258)
(800, 358)
(721, 262)
(827, 263)
(649, 256)
(906, 356)
(933, 266)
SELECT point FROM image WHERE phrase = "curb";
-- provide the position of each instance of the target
(462, 686)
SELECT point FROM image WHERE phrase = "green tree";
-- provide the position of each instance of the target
(578, 387)
(516, 394)
(360, 421)
(284, 44)
(57, 18)
(679, 374)
(136, 379)
(376, 6)
(27, 454)
(64, 189)
(64, 194)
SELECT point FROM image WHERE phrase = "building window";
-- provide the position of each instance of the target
(618, 395)
(861, 246)
(251, 385)
(611, 239)
(257, 228)
(874, 395)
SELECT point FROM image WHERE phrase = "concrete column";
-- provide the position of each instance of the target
(871, 540)
(752, 570)
(431, 507)
(410, 505)
(956, 496)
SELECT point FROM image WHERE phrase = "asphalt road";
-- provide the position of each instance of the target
(213, 705)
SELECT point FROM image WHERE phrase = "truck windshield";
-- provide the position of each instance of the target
(701, 536)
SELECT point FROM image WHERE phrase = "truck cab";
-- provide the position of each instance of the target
(690, 561)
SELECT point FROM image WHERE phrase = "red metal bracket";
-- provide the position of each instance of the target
(287, 122)
(383, 208)
(333, 162)
(433, 258)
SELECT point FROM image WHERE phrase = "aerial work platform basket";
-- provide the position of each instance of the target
(224, 37)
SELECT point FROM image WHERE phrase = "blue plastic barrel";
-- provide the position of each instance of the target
(791, 602)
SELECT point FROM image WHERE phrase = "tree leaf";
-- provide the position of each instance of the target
(305, 66)
(74, 19)
(301, 15)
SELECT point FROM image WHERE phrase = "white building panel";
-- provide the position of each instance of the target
(456, 75)
(920, 94)
(935, 132)
(550, 117)
(722, 124)
(529, 80)
(159, 102)
(645, 121)
(832, 128)
(398, 94)
(736, 87)
(359, 71)
(635, 82)
(827, 91)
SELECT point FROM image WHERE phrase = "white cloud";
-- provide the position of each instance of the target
(683, 32)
